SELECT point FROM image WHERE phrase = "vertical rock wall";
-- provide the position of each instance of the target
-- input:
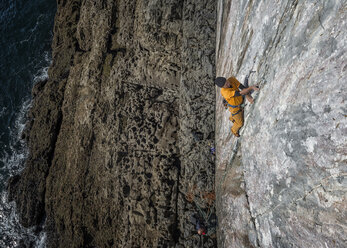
(121, 132)
(283, 183)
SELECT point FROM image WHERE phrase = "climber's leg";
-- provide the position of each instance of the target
(238, 123)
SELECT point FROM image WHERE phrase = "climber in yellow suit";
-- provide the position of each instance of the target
(233, 92)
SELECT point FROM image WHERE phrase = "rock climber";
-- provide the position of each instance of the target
(234, 92)
(199, 224)
(205, 224)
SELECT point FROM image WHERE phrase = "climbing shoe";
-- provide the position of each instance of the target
(236, 134)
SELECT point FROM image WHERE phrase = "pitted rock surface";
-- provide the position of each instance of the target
(121, 132)
(120, 135)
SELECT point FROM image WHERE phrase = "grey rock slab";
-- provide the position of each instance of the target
(293, 144)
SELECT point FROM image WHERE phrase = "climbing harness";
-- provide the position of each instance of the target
(234, 106)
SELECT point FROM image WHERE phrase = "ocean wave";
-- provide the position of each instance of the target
(42, 74)
(26, 35)
(17, 150)
(13, 234)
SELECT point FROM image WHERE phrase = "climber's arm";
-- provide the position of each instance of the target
(246, 91)
(241, 87)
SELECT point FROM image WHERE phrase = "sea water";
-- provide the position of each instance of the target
(25, 54)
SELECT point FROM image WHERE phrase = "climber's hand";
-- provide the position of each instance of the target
(255, 87)
(225, 104)
(250, 99)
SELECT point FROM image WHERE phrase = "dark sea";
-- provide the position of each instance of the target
(25, 54)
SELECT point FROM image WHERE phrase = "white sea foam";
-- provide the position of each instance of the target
(12, 232)
(42, 74)
(13, 150)
(13, 159)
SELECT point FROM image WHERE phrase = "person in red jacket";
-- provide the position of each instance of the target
(234, 92)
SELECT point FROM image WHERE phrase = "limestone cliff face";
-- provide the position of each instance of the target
(119, 135)
(283, 183)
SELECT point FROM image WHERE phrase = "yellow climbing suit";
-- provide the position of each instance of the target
(234, 103)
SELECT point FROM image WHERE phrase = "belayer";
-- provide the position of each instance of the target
(204, 224)
(199, 224)
(234, 92)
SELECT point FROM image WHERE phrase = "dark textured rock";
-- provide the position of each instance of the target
(112, 149)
